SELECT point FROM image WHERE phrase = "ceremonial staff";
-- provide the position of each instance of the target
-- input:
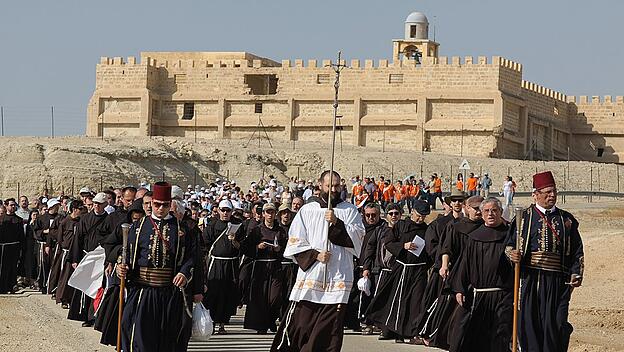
(337, 67)
(514, 337)
(125, 228)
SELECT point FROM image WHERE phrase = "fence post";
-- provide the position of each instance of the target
(72, 187)
(101, 183)
(591, 182)
(617, 171)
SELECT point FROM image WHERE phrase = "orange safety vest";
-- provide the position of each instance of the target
(399, 194)
(357, 190)
(472, 184)
(414, 190)
(360, 198)
(388, 193)
(437, 185)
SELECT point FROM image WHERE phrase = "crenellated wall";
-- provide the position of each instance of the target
(482, 101)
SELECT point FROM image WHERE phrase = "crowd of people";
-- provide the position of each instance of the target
(307, 259)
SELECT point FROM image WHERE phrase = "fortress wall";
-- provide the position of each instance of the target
(450, 142)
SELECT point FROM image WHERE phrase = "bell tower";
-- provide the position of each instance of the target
(415, 44)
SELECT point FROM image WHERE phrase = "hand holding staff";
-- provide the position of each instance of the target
(516, 257)
(338, 66)
(121, 272)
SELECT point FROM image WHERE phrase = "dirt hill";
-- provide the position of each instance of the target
(36, 162)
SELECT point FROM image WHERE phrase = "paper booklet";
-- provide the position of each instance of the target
(232, 228)
(420, 245)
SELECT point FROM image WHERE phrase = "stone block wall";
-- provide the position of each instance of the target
(418, 106)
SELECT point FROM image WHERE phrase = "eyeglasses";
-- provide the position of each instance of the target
(477, 209)
(161, 204)
(394, 213)
(371, 215)
(225, 210)
(550, 191)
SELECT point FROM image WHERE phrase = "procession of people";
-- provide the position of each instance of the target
(307, 259)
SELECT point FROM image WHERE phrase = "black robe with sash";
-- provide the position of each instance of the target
(91, 230)
(455, 237)
(485, 277)
(44, 222)
(397, 304)
(435, 311)
(67, 227)
(265, 286)
(11, 242)
(221, 270)
(358, 300)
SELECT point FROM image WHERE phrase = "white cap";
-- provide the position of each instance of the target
(225, 204)
(84, 190)
(189, 186)
(100, 198)
(177, 192)
(52, 202)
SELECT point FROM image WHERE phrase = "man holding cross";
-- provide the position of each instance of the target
(314, 321)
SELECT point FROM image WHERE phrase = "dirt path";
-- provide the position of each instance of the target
(32, 322)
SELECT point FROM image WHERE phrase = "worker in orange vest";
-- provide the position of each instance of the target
(472, 185)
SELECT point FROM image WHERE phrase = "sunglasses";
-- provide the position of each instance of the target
(225, 210)
(394, 213)
(161, 204)
(371, 215)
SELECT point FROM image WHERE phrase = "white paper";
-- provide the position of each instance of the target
(88, 275)
(232, 228)
(269, 244)
(420, 245)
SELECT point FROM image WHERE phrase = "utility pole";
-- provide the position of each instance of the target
(461, 150)
(52, 118)
(2, 119)
(195, 118)
(568, 164)
(383, 145)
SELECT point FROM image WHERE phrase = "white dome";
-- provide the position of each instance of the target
(416, 17)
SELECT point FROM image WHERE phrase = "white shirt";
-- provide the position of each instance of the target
(543, 210)
(307, 194)
(309, 231)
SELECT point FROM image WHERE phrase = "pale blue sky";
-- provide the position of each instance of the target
(49, 49)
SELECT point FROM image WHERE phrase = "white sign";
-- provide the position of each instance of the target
(464, 165)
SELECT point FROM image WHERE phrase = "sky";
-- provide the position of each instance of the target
(49, 49)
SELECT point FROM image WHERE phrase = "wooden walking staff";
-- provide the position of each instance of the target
(338, 66)
(516, 305)
(125, 229)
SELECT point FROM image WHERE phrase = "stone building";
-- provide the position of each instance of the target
(419, 101)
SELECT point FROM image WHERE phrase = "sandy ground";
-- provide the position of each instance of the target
(32, 322)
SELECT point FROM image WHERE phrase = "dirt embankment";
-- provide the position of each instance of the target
(37, 162)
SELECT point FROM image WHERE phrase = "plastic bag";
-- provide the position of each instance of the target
(202, 323)
(364, 285)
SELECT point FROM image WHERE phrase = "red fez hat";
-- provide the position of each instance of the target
(161, 192)
(543, 180)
